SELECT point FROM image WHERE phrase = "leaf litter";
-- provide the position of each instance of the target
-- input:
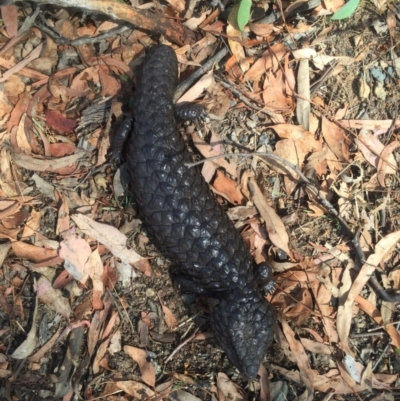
(79, 273)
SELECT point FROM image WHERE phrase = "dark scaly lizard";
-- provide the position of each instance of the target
(187, 224)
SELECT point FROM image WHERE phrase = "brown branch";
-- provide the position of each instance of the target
(168, 27)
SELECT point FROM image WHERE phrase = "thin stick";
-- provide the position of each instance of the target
(187, 83)
(181, 345)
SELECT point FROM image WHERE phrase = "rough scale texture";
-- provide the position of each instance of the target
(188, 225)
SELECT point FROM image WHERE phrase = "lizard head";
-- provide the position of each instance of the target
(244, 327)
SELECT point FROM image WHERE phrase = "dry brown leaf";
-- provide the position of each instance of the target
(317, 162)
(274, 93)
(63, 223)
(198, 88)
(328, 315)
(147, 369)
(287, 149)
(385, 378)
(33, 224)
(59, 123)
(27, 347)
(103, 27)
(241, 212)
(372, 125)
(20, 136)
(81, 81)
(181, 395)
(333, 379)
(275, 228)
(9, 14)
(26, 72)
(304, 139)
(32, 252)
(208, 171)
(316, 347)
(219, 102)
(385, 162)
(342, 318)
(391, 23)
(371, 147)
(235, 45)
(19, 110)
(300, 311)
(97, 324)
(8, 208)
(299, 353)
(75, 251)
(169, 317)
(265, 388)
(315, 335)
(228, 389)
(112, 239)
(109, 85)
(314, 202)
(229, 188)
(135, 389)
(335, 138)
(53, 298)
(345, 314)
(94, 268)
(39, 354)
(262, 29)
(115, 343)
(203, 336)
(333, 163)
(281, 267)
(33, 55)
(100, 353)
(14, 87)
(5, 106)
(364, 88)
(375, 314)
(303, 88)
(214, 148)
(40, 164)
(269, 59)
(4, 248)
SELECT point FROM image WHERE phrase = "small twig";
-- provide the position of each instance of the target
(215, 13)
(110, 34)
(190, 319)
(89, 174)
(325, 75)
(361, 335)
(380, 328)
(120, 307)
(373, 281)
(187, 331)
(374, 366)
(242, 98)
(181, 345)
(187, 83)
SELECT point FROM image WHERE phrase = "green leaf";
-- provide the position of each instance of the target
(243, 16)
(348, 9)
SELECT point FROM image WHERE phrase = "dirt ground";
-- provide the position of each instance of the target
(87, 307)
